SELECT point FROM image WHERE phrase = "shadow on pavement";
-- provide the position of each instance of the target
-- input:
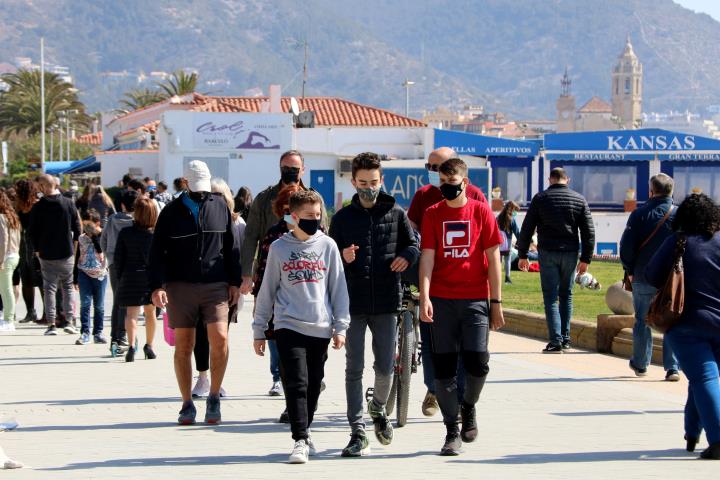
(274, 458)
(563, 380)
(589, 457)
(614, 412)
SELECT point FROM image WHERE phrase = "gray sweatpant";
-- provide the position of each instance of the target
(58, 274)
(384, 339)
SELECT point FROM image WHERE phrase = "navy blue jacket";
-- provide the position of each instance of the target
(640, 226)
(702, 278)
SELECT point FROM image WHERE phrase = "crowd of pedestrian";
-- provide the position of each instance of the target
(318, 281)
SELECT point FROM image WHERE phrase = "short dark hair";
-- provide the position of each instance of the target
(366, 161)
(179, 184)
(698, 214)
(162, 185)
(558, 173)
(137, 185)
(91, 215)
(291, 153)
(303, 197)
(662, 184)
(127, 200)
(454, 166)
(126, 179)
(145, 213)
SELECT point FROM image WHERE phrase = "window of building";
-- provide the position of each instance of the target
(513, 181)
(627, 85)
(705, 178)
(602, 184)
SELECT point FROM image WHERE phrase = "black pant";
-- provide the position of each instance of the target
(117, 315)
(302, 367)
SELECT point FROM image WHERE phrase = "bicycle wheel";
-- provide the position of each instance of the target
(390, 405)
(407, 342)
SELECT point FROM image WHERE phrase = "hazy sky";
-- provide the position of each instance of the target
(711, 7)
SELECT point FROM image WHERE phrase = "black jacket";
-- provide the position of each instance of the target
(183, 251)
(382, 233)
(558, 213)
(131, 263)
(54, 227)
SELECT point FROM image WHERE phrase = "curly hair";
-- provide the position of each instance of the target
(6, 208)
(26, 194)
(698, 214)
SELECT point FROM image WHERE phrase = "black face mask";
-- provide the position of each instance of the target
(309, 226)
(289, 175)
(451, 192)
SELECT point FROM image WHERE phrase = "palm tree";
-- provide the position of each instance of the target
(20, 105)
(139, 98)
(179, 83)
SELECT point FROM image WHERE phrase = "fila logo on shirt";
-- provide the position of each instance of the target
(456, 239)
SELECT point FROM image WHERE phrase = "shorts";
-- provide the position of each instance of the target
(189, 301)
(460, 325)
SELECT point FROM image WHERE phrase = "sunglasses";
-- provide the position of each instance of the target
(432, 168)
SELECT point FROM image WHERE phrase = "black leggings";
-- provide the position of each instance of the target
(302, 367)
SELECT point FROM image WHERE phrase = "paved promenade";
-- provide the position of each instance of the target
(83, 415)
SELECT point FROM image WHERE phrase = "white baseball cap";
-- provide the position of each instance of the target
(197, 175)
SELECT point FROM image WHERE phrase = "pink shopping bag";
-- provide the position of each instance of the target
(167, 331)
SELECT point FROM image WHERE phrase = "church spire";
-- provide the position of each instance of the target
(565, 83)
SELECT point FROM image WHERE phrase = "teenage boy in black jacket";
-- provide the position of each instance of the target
(54, 231)
(558, 213)
(195, 269)
(377, 244)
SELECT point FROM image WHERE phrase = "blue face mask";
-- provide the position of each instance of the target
(288, 219)
(434, 178)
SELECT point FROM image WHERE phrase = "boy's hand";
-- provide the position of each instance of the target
(582, 268)
(259, 347)
(497, 318)
(349, 253)
(399, 264)
(524, 265)
(338, 341)
(426, 311)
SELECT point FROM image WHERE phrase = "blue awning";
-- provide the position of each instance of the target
(480, 145)
(642, 144)
(89, 164)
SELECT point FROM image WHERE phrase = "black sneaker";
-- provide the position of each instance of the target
(187, 413)
(453, 443)
(51, 331)
(358, 446)
(566, 345)
(469, 429)
(639, 372)
(284, 417)
(383, 427)
(212, 412)
(672, 375)
(550, 348)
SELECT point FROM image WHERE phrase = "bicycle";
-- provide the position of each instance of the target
(407, 356)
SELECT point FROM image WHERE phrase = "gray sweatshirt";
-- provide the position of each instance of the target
(304, 286)
(109, 236)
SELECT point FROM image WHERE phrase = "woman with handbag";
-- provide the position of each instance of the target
(693, 256)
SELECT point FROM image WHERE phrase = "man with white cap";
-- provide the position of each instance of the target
(195, 272)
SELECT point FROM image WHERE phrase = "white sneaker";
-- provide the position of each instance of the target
(300, 452)
(275, 390)
(311, 447)
(70, 329)
(201, 388)
(7, 326)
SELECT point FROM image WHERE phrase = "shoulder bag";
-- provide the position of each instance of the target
(667, 307)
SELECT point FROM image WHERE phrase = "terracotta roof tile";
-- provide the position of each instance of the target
(90, 139)
(596, 105)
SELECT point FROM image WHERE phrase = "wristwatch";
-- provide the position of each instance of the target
(495, 300)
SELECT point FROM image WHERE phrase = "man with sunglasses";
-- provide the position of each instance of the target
(261, 216)
(424, 198)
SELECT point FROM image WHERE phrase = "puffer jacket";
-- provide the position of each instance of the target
(559, 213)
(382, 233)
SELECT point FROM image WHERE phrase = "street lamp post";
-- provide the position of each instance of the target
(407, 84)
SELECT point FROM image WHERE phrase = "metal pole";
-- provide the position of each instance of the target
(42, 104)
(305, 70)
(407, 85)
(67, 124)
(52, 136)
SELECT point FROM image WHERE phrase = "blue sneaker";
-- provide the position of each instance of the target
(187, 413)
(84, 339)
(212, 414)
